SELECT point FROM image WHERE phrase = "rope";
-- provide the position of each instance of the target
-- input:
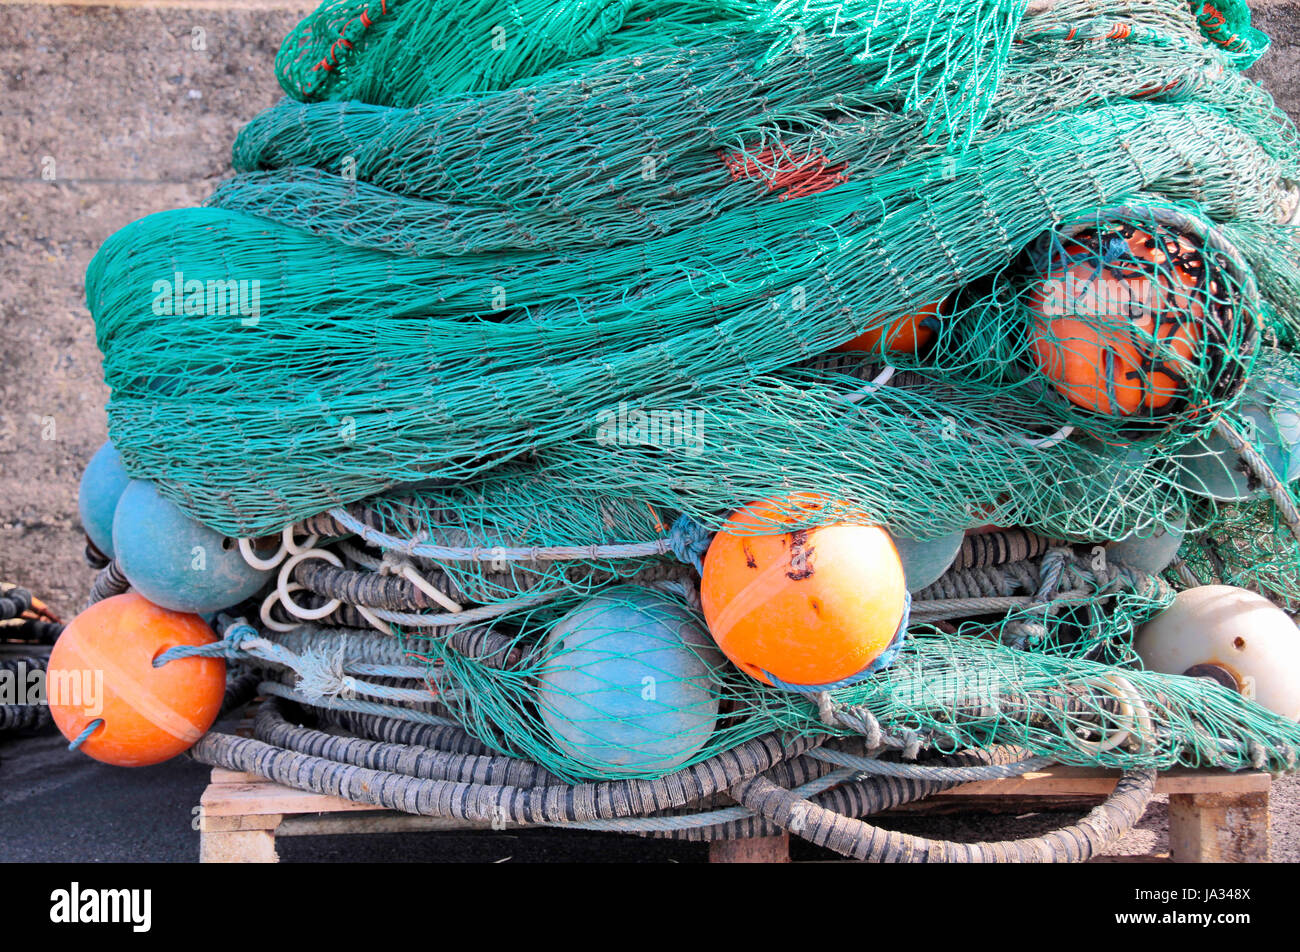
(108, 582)
(84, 736)
(496, 802)
(1278, 491)
(14, 602)
(886, 768)
(862, 841)
(479, 553)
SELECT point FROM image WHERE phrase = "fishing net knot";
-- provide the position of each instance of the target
(231, 646)
(861, 721)
(689, 541)
(1050, 571)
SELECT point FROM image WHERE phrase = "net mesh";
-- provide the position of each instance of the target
(528, 299)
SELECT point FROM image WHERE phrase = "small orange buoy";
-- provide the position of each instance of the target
(101, 669)
(805, 609)
(909, 334)
(1117, 321)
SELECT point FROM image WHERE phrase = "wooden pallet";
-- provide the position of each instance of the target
(1214, 816)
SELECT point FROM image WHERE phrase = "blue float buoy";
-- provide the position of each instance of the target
(102, 485)
(627, 688)
(1150, 550)
(1269, 411)
(925, 562)
(175, 561)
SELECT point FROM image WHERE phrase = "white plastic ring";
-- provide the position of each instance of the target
(1143, 722)
(269, 602)
(424, 585)
(1112, 684)
(293, 547)
(1043, 442)
(374, 619)
(246, 550)
(282, 585)
(867, 390)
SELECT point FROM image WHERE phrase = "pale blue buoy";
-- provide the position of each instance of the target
(627, 690)
(925, 562)
(176, 562)
(1269, 412)
(1149, 550)
(102, 484)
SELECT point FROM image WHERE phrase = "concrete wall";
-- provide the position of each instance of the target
(1279, 70)
(135, 119)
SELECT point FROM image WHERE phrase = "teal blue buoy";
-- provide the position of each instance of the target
(1269, 416)
(627, 688)
(176, 562)
(1149, 550)
(925, 562)
(101, 487)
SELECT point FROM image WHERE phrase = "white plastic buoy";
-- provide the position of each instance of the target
(1238, 638)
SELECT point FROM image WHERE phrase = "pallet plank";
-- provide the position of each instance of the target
(757, 849)
(1215, 816)
(1219, 828)
(246, 799)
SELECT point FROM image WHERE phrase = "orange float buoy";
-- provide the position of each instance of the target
(806, 609)
(909, 334)
(101, 668)
(1119, 319)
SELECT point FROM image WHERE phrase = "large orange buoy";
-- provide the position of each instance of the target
(101, 669)
(1124, 315)
(805, 609)
(909, 334)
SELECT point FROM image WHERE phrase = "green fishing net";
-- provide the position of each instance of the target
(527, 299)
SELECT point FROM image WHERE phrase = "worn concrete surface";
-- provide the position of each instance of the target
(108, 114)
(129, 119)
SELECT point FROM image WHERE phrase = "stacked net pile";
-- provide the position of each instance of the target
(509, 308)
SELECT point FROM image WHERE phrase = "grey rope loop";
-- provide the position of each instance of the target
(984, 549)
(885, 768)
(372, 589)
(854, 798)
(13, 602)
(860, 840)
(270, 726)
(108, 582)
(22, 717)
(452, 738)
(553, 553)
(482, 802)
(872, 795)
(36, 631)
